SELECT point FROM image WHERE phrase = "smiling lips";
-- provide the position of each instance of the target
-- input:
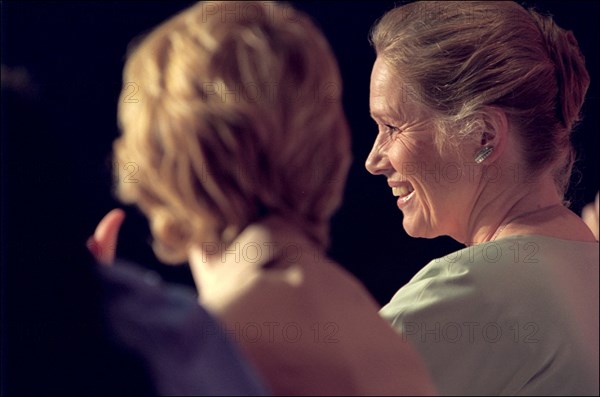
(401, 189)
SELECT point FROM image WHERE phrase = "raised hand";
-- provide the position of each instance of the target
(103, 244)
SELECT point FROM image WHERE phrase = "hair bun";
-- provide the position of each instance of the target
(571, 74)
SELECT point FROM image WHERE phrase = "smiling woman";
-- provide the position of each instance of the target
(492, 88)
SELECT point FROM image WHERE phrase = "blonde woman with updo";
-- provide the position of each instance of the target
(242, 150)
(475, 103)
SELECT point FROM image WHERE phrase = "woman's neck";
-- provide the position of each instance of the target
(272, 241)
(524, 208)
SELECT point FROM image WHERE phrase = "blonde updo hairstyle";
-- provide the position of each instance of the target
(239, 117)
(456, 58)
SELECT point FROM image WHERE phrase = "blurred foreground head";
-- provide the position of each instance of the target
(230, 112)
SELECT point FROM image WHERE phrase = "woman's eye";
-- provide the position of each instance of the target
(390, 129)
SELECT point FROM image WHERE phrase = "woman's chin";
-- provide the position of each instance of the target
(411, 229)
(418, 230)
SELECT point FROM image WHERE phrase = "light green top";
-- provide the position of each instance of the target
(513, 316)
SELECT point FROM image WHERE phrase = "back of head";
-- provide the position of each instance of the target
(460, 57)
(237, 114)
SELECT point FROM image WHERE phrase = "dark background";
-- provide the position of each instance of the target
(56, 172)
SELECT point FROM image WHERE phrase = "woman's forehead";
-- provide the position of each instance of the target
(393, 98)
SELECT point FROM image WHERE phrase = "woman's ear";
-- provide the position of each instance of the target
(487, 138)
(494, 136)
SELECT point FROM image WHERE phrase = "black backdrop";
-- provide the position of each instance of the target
(56, 167)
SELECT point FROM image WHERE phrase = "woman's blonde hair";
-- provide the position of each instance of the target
(459, 57)
(238, 116)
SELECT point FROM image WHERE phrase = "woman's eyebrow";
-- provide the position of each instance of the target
(389, 117)
(388, 113)
(375, 115)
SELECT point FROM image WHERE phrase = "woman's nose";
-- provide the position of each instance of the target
(376, 163)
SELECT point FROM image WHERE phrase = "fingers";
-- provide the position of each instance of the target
(103, 244)
(109, 226)
(93, 247)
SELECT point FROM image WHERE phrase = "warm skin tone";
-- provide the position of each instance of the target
(103, 245)
(473, 208)
(590, 216)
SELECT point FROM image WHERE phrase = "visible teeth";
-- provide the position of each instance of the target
(401, 191)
